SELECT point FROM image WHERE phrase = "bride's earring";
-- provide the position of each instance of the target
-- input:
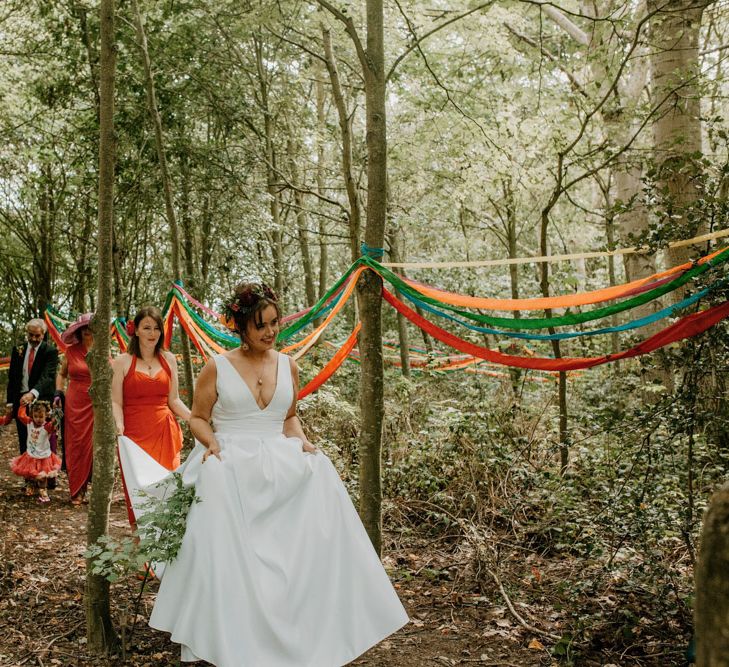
(244, 346)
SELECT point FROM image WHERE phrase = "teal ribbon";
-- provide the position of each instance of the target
(369, 251)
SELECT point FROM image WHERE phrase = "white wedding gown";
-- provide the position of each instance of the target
(275, 569)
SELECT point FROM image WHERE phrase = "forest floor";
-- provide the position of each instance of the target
(453, 622)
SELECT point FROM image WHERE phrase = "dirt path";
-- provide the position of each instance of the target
(42, 579)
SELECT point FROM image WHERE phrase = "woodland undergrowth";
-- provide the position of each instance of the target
(598, 561)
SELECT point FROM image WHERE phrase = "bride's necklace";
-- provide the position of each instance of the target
(259, 376)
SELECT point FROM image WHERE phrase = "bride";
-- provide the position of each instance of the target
(275, 568)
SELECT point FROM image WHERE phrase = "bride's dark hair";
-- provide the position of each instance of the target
(248, 302)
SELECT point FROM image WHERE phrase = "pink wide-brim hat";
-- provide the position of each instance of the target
(70, 335)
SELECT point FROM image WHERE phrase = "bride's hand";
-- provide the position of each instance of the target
(212, 450)
(308, 447)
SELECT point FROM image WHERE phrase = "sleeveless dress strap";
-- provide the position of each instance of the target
(221, 369)
(164, 364)
(218, 366)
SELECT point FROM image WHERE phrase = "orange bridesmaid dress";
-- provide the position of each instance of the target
(148, 420)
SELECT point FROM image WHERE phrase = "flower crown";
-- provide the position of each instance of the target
(245, 301)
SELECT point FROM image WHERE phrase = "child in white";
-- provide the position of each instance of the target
(38, 462)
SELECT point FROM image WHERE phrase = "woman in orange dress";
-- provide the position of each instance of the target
(145, 396)
(78, 414)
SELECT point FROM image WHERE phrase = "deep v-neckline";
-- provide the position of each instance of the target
(250, 391)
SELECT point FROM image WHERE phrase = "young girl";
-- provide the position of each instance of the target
(38, 463)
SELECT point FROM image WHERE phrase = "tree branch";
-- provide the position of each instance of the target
(350, 29)
(418, 40)
(443, 87)
(723, 47)
(568, 26)
(549, 56)
(566, 11)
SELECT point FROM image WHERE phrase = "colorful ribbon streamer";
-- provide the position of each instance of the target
(331, 367)
(686, 327)
(562, 320)
(565, 300)
(309, 340)
(208, 339)
(635, 324)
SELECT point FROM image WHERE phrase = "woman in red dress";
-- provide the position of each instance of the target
(145, 396)
(78, 415)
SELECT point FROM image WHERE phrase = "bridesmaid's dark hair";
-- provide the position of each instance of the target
(247, 304)
(156, 315)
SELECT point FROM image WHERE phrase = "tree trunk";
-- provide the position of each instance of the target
(510, 221)
(562, 387)
(84, 271)
(370, 285)
(347, 162)
(43, 256)
(206, 231)
(302, 226)
(619, 125)
(206, 252)
(274, 196)
(677, 126)
(116, 261)
(100, 633)
(91, 57)
(320, 186)
(610, 236)
(711, 607)
(166, 186)
(188, 234)
(78, 302)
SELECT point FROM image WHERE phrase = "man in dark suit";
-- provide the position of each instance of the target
(32, 373)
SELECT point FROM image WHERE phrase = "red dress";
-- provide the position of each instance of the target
(148, 419)
(78, 420)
